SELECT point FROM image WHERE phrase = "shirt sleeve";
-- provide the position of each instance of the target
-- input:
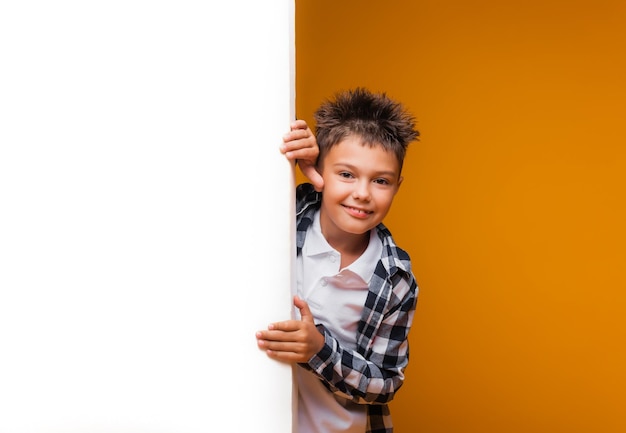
(375, 377)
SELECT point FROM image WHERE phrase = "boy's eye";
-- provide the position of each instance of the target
(382, 181)
(345, 174)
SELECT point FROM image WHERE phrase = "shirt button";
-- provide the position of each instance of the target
(332, 258)
(324, 282)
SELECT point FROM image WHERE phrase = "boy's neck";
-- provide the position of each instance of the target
(350, 246)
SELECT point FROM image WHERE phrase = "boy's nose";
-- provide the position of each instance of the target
(362, 191)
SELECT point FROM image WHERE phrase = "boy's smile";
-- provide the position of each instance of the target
(357, 213)
(360, 182)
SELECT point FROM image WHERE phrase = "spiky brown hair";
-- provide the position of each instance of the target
(374, 117)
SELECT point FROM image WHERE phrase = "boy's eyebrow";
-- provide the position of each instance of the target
(353, 168)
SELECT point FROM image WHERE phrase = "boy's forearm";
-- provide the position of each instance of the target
(371, 380)
(351, 376)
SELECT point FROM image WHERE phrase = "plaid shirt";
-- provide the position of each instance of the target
(373, 373)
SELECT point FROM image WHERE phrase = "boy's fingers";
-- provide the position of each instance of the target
(295, 152)
(286, 326)
(295, 143)
(285, 356)
(295, 136)
(298, 124)
(280, 346)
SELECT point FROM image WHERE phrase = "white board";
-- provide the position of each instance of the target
(145, 215)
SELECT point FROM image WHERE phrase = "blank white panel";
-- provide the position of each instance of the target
(146, 215)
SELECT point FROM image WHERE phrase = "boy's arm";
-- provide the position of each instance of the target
(367, 379)
(300, 145)
(376, 377)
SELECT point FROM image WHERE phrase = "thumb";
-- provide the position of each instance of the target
(312, 174)
(305, 311)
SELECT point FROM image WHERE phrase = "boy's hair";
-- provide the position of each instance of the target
(374, 117)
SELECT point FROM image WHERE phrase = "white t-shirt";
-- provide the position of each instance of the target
(336, 298)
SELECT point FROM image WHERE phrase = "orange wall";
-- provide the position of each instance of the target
(513, 202)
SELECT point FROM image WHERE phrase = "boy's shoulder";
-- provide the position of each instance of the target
(308, 201)
(307, 198)
(306, 190)
(393, 256)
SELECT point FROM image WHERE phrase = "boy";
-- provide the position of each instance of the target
(355, 294)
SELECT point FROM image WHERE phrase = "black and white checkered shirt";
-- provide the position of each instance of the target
(373, 373)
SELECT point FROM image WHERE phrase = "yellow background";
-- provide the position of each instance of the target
(513, 203)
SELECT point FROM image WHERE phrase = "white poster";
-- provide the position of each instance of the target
(145, 215)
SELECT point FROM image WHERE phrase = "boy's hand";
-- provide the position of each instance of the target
(300, 145)
(292, 340)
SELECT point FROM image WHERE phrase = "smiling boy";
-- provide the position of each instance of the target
(355, 294)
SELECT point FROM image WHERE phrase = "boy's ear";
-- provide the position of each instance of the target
(400, 179)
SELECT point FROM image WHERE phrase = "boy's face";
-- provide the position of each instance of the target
(360, 182)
